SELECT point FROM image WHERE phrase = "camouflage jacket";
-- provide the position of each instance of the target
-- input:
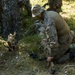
(50, 30)
(47, 30)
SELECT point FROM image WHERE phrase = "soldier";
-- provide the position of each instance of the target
(57, 33)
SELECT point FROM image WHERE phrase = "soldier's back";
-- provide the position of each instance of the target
(60, 24)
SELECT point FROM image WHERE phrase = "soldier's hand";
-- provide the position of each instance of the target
(49, 59)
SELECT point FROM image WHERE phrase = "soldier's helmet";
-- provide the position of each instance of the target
(36, 10)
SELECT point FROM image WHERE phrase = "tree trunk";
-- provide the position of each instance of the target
(55, 5)
(1, 26)
(27, 5)
(11, 17)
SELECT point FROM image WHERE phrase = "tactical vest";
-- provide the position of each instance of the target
(60, 24)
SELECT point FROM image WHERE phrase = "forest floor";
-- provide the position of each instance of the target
(20, 63)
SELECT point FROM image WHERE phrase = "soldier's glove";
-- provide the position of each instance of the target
(49, 59)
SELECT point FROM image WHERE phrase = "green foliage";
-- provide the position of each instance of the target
(43, 0)
(26, 20)
(71, 22)
(27, 27)
(24, 12)
(33, 41)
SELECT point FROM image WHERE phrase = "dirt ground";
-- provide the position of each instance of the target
(21, 64)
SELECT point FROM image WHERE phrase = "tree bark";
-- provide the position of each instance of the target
(11, 17)
(27, 5)
(55, 5)
(1, 26)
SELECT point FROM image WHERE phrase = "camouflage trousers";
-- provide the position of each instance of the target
(64, 44)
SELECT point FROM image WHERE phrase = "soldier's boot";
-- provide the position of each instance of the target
(69, 55)
(66, 58)
(63, 59)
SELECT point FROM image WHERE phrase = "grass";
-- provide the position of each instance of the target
(20, 63)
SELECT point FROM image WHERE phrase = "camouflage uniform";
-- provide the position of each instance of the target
(57, 34)
(11, 17)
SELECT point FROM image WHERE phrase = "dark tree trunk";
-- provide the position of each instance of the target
(55, 5)
(1, 26)
(11, 17)
(27, 5)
